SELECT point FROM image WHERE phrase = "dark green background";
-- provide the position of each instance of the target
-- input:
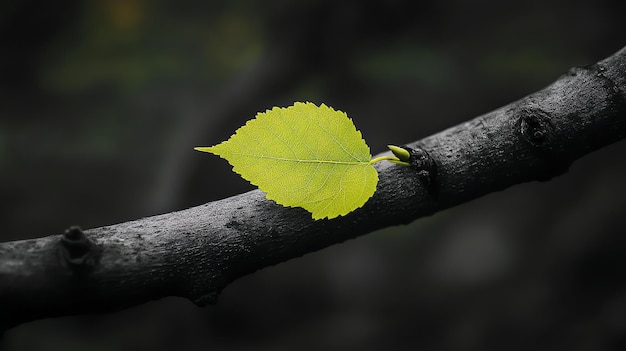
(102, 102)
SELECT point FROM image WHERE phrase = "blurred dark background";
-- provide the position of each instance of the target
(101, 103)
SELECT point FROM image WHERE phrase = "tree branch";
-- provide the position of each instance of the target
(196, 252)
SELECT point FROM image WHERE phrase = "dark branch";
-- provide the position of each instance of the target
(195, 253)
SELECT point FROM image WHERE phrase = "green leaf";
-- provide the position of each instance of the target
(303, 156)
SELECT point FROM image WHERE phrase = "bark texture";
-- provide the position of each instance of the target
(196, 252)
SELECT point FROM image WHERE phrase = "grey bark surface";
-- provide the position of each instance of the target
(196, 252)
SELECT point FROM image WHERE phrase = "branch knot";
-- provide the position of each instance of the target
(425, 166)
(77, 250)
(536, 128)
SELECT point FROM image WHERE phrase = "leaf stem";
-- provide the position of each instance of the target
(389, 158)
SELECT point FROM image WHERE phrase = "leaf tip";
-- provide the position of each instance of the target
(208, 149)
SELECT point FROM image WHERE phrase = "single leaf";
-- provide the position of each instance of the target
(303, 156)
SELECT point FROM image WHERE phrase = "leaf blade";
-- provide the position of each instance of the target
(303, 156)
